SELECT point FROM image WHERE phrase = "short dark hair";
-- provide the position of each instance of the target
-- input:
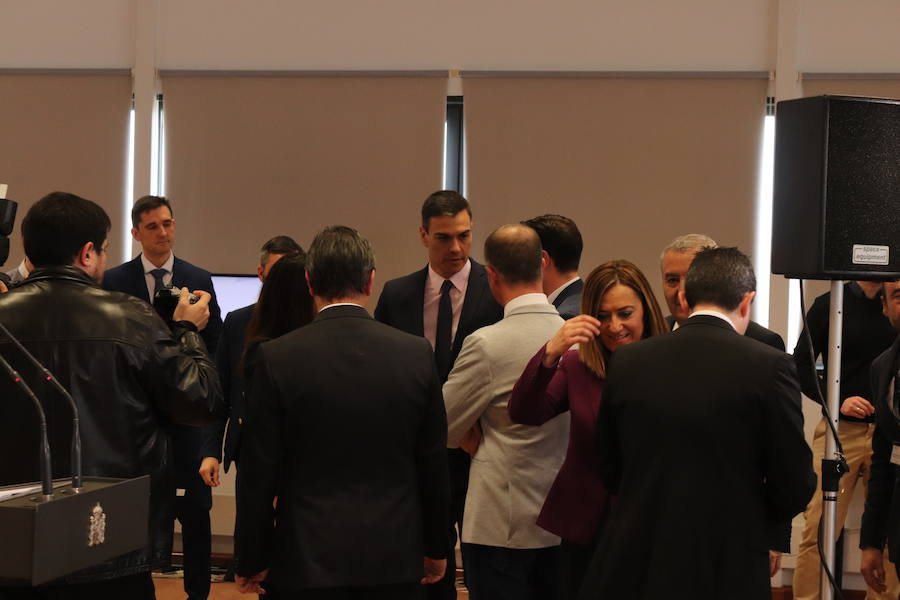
(339, 263)
(145, 203)
(560, 238)
(514, 252)
(719, 276)
(444, 203)
(58, 225)
(280, 244)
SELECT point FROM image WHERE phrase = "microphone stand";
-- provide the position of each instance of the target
(46, 477)
(77, 482)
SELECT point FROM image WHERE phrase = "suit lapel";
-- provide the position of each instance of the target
(474, 291)
(136, 269)
(570, 290)
(889, 372)
(178, 274)
(417, 310)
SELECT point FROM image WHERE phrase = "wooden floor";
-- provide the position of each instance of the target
(171, 589)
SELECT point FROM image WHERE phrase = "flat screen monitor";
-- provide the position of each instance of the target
(235, 291)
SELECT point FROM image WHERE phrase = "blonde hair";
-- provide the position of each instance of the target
(603, 278)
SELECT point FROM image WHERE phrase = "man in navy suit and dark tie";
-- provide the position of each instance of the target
(561, 245)
(444, 302)
(155, 268)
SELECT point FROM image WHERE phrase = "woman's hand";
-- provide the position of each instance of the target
(578, 330)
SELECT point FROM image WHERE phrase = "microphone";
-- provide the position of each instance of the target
(46, 478)
(76, 429)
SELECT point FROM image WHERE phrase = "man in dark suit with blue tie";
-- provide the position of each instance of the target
(157, 267)
(444, 302)
(562, 245)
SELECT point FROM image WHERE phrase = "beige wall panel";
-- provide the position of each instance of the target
(634, 162)
(252, 157)
(67, 133)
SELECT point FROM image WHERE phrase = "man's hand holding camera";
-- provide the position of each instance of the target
(196, 312)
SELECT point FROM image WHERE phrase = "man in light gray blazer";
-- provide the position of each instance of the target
(514, 465)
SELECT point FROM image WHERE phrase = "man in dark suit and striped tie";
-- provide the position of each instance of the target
(156, 267)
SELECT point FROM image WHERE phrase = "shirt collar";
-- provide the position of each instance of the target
(525, 300)
(23, 270)
(555, 293)
(458, 279)
(342, 304)
(149, 266)
(714, 313)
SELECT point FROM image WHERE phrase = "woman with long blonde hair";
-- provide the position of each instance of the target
(618, 308)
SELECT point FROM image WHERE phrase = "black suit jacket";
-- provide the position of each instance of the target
(228, 362)
(881, 517)
(701, 438)
(401, 305)
(568, 303)
(347, 427)
(190, 443)
(779, 534)
(755, 331)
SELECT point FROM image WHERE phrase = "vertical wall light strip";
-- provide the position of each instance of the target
(762, 258)
(154, 149)
(444, 161)
(794, 316)
(161, 160)
(129, 190)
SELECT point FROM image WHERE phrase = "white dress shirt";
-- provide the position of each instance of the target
(555, 293)
(326, 307)
(713, 313)
(149, 266)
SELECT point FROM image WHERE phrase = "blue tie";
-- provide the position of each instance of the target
(158, 275)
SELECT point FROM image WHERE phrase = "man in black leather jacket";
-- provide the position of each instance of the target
(128, 373)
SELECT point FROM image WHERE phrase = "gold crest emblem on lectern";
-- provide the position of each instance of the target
(97, 533)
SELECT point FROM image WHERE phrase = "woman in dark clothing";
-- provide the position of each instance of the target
(284, 305)
(618, 308)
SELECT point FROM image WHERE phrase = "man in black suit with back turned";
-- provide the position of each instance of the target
(228, 363)
(675, 260)
(701, 440)
(444, 302)
(562, 245)
(157, 266)
(881, 517)
(347, 428)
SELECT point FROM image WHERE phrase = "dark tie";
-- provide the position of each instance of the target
(442, 335)
(158, 278)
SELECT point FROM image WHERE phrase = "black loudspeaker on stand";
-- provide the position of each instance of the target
(836, 215)
(837, 188)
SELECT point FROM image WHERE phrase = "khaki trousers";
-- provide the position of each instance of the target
(857, 441)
